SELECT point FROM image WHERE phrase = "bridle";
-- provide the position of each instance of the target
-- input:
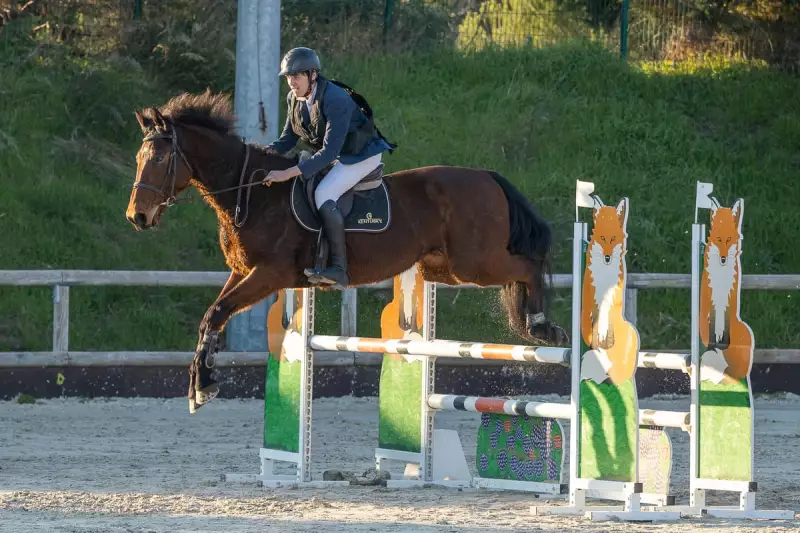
(171, 174)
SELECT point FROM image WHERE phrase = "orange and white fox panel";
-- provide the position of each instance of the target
(612, 341)
(609, 449)
(609, 350)
(725, 432)
(404, 378)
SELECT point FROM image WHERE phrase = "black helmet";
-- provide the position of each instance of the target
(300, 59)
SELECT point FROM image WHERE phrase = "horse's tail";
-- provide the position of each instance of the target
(531, 236)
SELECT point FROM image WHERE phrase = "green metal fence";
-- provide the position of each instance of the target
(637, 29)
(476, 24)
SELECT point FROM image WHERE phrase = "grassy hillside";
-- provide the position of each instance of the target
(543, 118)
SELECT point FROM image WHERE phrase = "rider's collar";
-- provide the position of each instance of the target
(310, 99)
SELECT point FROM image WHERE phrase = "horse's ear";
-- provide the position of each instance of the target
(158, 118)
(143, 122)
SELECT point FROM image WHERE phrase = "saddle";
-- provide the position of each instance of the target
(365, 207)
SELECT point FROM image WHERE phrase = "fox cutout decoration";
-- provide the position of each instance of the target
(728, 340)
(402, 318)
(613, 341)
(401, 380)
(284, 322)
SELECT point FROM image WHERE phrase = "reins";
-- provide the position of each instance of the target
(171, 174)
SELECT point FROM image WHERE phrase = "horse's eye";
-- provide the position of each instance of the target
(158, 158)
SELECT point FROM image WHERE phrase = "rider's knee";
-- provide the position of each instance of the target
(323, 193)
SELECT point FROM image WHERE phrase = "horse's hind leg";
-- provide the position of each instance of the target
(524, 298)
(535, 306)
(523, 294)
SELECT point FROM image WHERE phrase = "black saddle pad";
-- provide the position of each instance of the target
(366, 211)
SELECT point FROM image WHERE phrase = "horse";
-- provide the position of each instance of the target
(459, 225)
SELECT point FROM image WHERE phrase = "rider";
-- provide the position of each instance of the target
(326, 118)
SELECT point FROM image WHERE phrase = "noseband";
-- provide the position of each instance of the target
(171, 172)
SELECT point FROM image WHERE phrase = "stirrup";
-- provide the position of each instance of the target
(314, 277)
(321, 279)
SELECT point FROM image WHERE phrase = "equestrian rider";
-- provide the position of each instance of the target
(324, 117)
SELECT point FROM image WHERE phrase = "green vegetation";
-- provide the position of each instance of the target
(542, 117)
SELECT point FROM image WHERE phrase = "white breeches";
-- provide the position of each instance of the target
(342, 178)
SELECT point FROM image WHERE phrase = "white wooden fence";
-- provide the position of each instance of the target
(62, 280)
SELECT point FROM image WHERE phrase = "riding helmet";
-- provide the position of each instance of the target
(299, 59)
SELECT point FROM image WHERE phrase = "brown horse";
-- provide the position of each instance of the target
(460, 225)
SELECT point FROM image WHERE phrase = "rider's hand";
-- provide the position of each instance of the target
(277, 176)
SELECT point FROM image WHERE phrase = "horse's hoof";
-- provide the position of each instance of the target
(555, 335)
(548, 334)
(205, 395)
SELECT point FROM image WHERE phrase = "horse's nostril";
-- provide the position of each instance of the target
(140, 219)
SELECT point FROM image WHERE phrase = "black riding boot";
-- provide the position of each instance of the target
(333, 228)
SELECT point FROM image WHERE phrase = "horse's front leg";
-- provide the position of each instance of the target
(251, 289)
(233, 280)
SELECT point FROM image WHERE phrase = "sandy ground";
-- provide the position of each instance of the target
(147, 466)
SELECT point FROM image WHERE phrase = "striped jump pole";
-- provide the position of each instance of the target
(442, 348)
(478, 350)
(452, 402)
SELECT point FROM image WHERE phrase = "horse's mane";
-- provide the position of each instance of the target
(208, 110)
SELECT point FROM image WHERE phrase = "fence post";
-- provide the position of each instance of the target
(349, 308)
(60, 318)
(623, 30)
(387, 18)
(631, 302)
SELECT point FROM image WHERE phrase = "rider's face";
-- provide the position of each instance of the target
(299, 83)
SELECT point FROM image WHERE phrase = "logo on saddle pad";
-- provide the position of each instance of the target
(369, 220)
(366, 211)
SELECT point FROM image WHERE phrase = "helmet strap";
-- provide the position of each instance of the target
(311, 83)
